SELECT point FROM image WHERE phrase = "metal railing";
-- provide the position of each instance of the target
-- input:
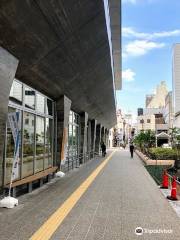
(75, 161)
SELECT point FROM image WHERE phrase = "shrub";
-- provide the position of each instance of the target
(145, 139)
(162, 153)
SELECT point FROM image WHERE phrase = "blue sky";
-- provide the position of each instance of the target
(149, 30)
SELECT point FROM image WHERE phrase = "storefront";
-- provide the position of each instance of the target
(37, 131)
(73, 146)
(40, 136)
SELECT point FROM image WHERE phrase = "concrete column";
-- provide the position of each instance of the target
(107, 137)
(102, 134)
(63, 106)
(8, 67)
(83, 139)
(98, 138)
(89, 139)
(93, 136)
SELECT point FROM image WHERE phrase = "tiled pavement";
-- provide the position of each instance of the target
(121, 198)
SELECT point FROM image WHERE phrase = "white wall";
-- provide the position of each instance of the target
(176, 77)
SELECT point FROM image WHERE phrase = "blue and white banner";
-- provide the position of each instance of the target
(15, 125)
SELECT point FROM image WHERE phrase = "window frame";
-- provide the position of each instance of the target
(21, 107)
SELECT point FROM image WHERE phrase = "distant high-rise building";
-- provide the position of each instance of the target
(149, 98)
(157, 100)
(169, 110)
(176, 84)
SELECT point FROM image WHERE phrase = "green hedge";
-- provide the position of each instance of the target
(162, 153)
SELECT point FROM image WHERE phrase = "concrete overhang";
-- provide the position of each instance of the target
(63, 49)
(115, 25)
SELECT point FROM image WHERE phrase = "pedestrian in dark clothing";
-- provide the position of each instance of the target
(131, 148)
(103, 148)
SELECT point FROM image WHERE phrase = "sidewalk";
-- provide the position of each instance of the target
(121, 198)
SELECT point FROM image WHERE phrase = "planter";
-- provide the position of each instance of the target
(149, 161)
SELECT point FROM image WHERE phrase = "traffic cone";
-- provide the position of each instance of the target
(165, 183)
(173, 196)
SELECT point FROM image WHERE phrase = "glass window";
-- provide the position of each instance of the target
(73, 117)
(29, 98)
(75, 140)
(40, 100)
(27, 121)
(76, 118)
(49, 107)
(70, 139)
(10, 151)
(70, 116)
(16, 92)
(48, 143)
(28, 145)
(39, 144)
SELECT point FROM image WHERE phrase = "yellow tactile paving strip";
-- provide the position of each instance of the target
(54, 221)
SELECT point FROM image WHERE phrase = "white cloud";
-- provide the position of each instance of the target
(140, 47)
(128, 75)
(130, 33)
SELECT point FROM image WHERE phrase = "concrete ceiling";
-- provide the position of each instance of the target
(62, 47)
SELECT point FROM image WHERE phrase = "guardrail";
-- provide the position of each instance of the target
(177, 182)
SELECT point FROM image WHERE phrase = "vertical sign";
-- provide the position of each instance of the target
(15, 125)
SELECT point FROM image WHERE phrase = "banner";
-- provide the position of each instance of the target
(15, 125)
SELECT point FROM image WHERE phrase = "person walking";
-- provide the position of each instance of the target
(103, 149)
(131, 148)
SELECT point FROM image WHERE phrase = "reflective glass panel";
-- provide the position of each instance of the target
(75, 140)
(10, 151)
(29, 98)
(48, 143)
(70, 116)
(28, 144)
(39, 144)
(74, 118)
(40, 100)
(16, 92)
(70, 139)
(49, 107)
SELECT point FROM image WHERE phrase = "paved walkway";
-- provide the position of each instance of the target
(122, 197)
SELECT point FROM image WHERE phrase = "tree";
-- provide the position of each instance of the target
(175, 136)
(145, 139)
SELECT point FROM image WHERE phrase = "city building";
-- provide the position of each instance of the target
(176, 84)
(158, 112)
(168, 110)
(59, 67)
(122, 131)
(157, 100)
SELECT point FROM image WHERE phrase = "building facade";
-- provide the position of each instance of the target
(52, 74)
(176, 84)
(158, 112)
(122, 131)
(157, 100)
(169, 111)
